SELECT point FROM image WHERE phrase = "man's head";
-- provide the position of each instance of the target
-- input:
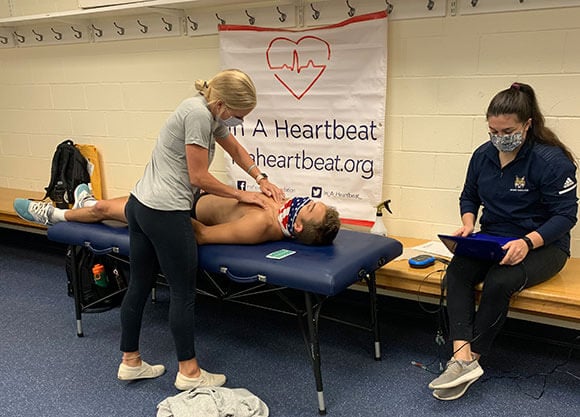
(316, 224)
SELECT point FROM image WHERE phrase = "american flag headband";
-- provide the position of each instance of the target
(289, 213)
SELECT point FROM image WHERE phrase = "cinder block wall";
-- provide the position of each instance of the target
(442, 72)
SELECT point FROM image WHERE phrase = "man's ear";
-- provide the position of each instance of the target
(298, 226)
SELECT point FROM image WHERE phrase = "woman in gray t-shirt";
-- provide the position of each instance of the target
(158, 214)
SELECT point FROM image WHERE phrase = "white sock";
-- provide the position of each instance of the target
(58, 215)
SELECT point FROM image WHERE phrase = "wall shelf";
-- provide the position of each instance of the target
(139, 20)
(152, 6)
(162, 18)
(401, 9)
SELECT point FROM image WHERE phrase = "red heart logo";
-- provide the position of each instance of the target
(297, 65)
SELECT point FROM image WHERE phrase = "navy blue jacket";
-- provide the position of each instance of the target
(536, 191)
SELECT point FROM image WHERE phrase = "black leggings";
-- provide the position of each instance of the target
(165, 239)
(499, 284)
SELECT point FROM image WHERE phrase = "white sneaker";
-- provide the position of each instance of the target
(82, 194)
(34, 211)
(129, 373)
(206, 379)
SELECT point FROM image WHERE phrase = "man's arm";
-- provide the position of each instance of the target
(250, 229)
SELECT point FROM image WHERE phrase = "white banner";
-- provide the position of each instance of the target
(318, 129)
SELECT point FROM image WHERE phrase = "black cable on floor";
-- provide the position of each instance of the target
(543, 375)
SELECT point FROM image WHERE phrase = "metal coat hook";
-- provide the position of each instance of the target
(143, 28)
(120, 30)
(19, 37)
(474, 3)
(98, 32)
(193, 25)
(168, 25)
(351, 10)
(251, 19)
(222, 21)
(316, 13)
(39, 36)
(430, 4)
(78, 34)
(57, 35)
(282, 17)
(4, 40)
(390, 7)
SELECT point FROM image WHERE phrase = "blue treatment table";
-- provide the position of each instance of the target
(318, 272)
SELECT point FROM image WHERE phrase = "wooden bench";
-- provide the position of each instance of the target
(9, 218)
(555, 302)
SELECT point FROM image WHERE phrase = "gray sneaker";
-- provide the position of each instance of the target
(449, 394)
(34, 211)
(457, 372)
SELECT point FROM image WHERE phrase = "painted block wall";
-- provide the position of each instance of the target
(442, 72)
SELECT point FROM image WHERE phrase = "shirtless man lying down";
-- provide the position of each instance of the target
(215, 219)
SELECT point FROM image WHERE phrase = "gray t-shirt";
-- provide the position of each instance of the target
(165, 183)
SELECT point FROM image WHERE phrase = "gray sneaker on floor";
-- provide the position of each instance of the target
(34, 211)
(449, 394)
(457, 372)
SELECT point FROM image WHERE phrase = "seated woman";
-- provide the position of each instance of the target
(524, 181)
(215, 219)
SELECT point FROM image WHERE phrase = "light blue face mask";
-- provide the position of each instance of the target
(506, 143)
(231, 121)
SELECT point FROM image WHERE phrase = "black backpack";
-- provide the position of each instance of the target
(95, 298)
(69, 169)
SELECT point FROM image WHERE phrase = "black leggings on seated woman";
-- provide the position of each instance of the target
(163, 238)
(500, 282)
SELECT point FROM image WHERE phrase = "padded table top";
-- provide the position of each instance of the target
(325, 270)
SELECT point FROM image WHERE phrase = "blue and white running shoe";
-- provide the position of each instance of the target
(82, 194)
(34, 211)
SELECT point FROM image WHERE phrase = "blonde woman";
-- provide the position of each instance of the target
(158, 214)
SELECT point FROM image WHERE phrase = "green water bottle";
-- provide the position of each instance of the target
(100, 275)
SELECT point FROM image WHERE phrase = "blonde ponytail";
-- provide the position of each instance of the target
(202, 87)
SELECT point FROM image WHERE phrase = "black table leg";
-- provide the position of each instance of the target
(76, 284)
(314, 352)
